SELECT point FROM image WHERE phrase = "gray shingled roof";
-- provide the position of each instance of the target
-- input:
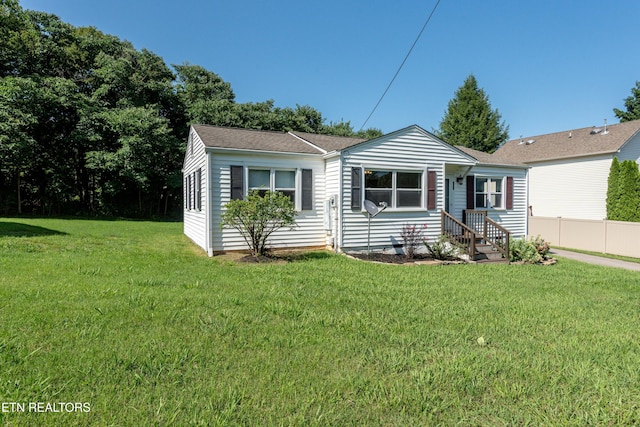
(248, 139)
(569, 143)
(488, 159)
(328, 142)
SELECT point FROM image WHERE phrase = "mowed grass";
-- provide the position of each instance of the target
(131, 318)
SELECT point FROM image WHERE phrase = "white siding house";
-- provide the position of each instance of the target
(416, 174)
(570, 169)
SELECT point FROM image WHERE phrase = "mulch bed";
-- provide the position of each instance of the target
(397, 258)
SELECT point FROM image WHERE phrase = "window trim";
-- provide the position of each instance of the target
(193, 191)
(487, 196)
(298, 190)
(393, 206)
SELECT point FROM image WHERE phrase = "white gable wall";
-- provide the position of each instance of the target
(195, 220)
(570, 188)
(310, 230)
(407, 150)
(631, 150)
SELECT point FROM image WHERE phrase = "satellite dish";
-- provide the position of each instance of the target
(371, 208)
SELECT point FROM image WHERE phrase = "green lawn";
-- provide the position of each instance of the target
(134, 321)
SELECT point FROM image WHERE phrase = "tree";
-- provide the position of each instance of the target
(632, 103)
(469, 120)
(623, 191)
(258, 217)
(16, 121)
(140, 162)
(613, 190)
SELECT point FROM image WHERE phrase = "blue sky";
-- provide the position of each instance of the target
(546, 65)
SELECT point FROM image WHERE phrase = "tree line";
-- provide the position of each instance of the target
(90, 125)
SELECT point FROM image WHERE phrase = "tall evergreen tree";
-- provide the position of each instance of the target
(469, 120)
(632, 103)
(630, 191)
(613, 190)
(623, 191)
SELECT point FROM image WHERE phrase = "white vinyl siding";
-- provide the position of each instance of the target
(573, 188)
(332, 185)
(630, 150)
(194, 218)
(310, 230)
(410, 150)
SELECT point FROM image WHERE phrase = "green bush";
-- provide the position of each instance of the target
(523, 250)
(623, 191)
(443, 249)
(541, 246)
(257, 217)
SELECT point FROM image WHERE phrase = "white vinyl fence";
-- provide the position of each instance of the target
(610, 237)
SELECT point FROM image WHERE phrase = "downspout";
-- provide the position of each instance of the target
(208, 207)
(526, 210)
(338, 240)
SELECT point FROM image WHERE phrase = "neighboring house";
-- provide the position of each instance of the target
(570, 169)
(328, 178)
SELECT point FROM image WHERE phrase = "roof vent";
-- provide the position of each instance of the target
(595, 131)
(530, 141)
(605, 127)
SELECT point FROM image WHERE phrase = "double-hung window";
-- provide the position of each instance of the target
(489, 193)
(398, 189)
(283, 181)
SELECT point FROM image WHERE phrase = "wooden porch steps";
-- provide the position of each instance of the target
(485, 239)
(486, 253)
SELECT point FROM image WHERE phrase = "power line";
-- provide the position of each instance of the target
(401, 65)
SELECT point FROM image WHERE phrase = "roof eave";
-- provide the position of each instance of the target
(250, 151)
(571, 156)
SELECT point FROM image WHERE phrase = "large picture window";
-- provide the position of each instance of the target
(397, 189)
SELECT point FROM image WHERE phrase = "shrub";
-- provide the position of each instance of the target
(541, 246)
(257, 217)
(412, 237)
(623, 191)
(443, 249)
(529, 251)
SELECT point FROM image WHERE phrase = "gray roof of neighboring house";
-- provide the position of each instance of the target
(570, 143)
(285, 142)
(489, 159)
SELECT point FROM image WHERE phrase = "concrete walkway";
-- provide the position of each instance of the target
(593, 259)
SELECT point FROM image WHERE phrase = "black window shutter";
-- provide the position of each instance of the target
(190, 205)
(356, 188)
(509, 192)
(307, 189)
(199, 189)
(237, 182)
(186, 193)
(432, 181)
(193, 189)
(471, 192)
